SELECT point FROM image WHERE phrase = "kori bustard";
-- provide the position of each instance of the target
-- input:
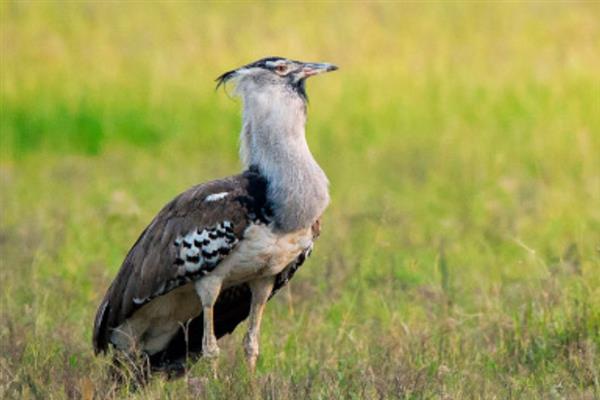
(215, 254)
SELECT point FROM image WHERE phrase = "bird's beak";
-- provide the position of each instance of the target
(310, 69)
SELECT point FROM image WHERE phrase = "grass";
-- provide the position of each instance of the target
(459, 258)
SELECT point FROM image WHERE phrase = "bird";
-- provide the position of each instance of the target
(215, 254)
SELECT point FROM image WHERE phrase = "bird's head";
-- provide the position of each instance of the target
(273, 75)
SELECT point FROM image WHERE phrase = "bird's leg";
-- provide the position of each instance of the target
(261, 290)
(208, 288)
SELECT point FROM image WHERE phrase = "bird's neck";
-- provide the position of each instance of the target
(273, 140)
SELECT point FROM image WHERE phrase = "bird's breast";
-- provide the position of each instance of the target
(262, 252)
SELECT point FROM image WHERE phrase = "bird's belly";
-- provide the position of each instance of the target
(262, 253)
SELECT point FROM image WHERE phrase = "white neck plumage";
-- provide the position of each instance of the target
(273, 139)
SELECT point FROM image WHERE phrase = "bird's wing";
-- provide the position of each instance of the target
(187, 239)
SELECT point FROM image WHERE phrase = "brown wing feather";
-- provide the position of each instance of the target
(149, 265)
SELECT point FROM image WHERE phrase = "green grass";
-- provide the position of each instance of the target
(460, 257)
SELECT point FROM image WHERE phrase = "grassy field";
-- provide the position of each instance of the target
(460, 257)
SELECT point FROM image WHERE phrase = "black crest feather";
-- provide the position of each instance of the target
(262, 63)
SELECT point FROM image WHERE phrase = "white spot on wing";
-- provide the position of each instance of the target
(199, 237)
(160, 290)
(103, 310)
(216, 197)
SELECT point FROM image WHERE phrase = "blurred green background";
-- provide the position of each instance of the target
(460, 257)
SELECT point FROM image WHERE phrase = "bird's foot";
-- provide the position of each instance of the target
(211, 352)
(251, 359)
(251, 350)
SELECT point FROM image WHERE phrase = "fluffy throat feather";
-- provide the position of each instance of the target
(273, 142)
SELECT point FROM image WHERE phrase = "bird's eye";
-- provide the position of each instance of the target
(281, 68)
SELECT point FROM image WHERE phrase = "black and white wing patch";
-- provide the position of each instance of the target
(199, 251)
